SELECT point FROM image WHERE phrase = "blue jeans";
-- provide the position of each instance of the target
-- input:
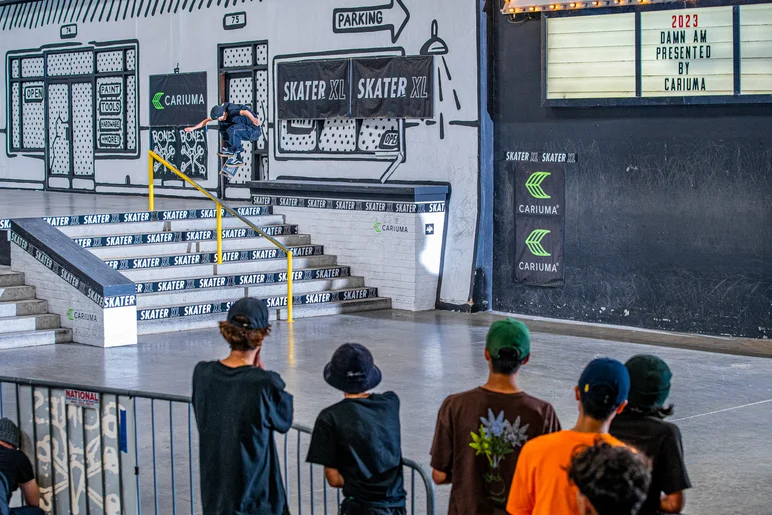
(239, 132)
(27, 510)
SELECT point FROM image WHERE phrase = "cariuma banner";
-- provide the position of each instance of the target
(177, 99)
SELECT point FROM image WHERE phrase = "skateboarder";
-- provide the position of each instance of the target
(237, 123)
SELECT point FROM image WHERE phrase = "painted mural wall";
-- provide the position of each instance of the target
(78, 105)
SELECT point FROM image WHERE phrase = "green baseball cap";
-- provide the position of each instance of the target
(508, 334)
(649, 380)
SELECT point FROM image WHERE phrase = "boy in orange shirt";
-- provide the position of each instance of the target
(541, 485)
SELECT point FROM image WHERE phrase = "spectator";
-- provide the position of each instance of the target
(16, 472)
(239, 405)
(642, 426)
(480, 433)
(611, 480)
(357, 440)
(541, 485)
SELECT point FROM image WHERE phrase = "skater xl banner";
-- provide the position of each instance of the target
(178, 99)
(310, 90)
(394, 87)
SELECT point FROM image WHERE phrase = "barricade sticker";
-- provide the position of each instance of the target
(350, 205)
(206, 258)
(81, 398)
(271, 302)
(146, 216)
(224, 281)
(183, 236)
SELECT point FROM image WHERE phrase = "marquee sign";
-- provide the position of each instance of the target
(702, 55)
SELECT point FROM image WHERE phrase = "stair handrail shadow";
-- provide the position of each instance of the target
(153, 158)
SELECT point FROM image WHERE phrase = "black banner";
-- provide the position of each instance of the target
(187, 151)
(393, 87)
(539, 189)
(539, 250)
(178, 99)
(313, 89)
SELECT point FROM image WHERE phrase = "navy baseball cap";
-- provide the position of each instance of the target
(216, 112)
(253, 310)
(606, 381)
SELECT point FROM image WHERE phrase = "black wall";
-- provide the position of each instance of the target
(668, 212)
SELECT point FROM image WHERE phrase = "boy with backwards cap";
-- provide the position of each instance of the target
(480, 433)
(358, 439)
(238, 406)
(643, 426)
(541, 485)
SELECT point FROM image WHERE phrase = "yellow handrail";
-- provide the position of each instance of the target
(153, 157)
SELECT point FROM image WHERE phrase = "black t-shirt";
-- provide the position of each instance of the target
(16, 468)
(234, 116)
(661, 442)
(237, 411)
(361, 439)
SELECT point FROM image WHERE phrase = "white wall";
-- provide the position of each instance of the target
(438, 151)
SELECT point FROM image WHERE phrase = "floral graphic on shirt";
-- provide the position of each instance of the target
(496, 439)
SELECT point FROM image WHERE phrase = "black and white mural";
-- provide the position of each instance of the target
(78, 98)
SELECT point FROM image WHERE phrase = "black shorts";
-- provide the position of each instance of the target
(352, 507)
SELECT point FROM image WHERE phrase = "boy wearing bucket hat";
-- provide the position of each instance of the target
(16, 472)
(481, 432)
(358, 439)
(238, 406)
(541, 485)
(642, 426)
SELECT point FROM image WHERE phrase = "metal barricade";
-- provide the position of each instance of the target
(106, 450)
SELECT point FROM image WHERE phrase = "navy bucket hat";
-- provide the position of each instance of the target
(352, 369)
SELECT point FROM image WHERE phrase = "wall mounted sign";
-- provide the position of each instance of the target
(68, 31)
(682, 56)
(539, 215)
(393, 87)
(687, 52)
(234, 21)
(312, 90)
(178, 99)
(539, 250)
(384, 87)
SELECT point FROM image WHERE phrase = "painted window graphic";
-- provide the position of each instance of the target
(70, 106)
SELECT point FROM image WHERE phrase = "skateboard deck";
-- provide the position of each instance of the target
(229, 171)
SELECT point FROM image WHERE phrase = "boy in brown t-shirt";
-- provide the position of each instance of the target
(480, 432)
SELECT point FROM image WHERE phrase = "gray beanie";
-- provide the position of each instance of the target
(9, 433)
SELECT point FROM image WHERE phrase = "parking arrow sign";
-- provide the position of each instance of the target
(392, 17)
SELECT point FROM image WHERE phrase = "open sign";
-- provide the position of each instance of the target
(33, 94)
(389, 141)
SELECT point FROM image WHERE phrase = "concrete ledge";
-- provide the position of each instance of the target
(395, 192)
(95, 301)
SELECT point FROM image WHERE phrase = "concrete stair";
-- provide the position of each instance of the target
(180, 285)
(24, 319)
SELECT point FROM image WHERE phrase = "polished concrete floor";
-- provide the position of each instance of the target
(723, 402)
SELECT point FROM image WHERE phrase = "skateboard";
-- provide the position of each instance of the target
(229, 171)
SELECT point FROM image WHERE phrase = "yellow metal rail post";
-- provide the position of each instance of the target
(220, 206)
(150, 185)
(219, 234)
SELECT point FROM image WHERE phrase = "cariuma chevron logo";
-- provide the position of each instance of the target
(377, 227)
(69, 314)
(157, 100)
(533, 185)
(534, 242)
